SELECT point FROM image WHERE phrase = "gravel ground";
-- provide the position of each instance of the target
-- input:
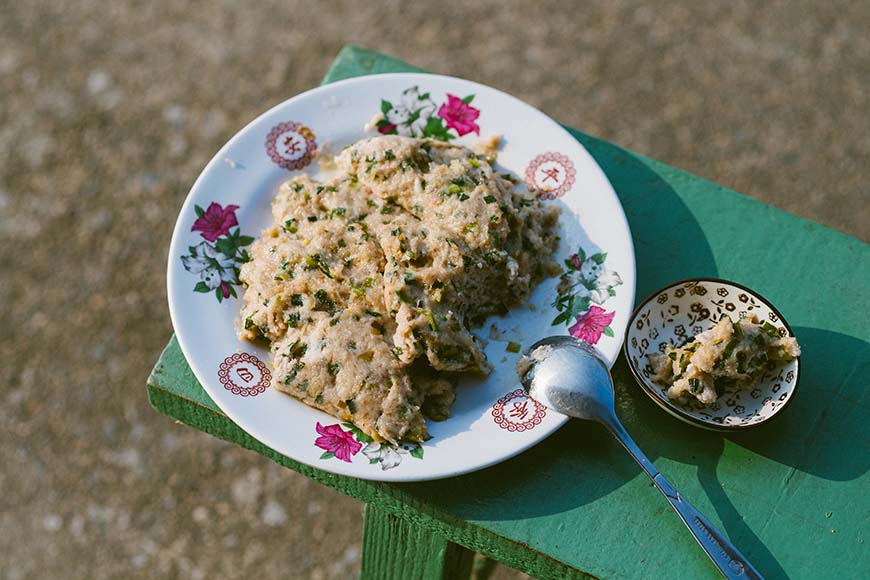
(108, 111)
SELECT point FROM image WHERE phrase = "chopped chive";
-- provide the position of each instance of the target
(513, 346)
(741, 362)
(402, 296)
(729, 348)
(315, 261)
(430, 316)
(324, 301)
(770, 330)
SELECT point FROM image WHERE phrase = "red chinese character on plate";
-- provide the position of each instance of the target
(517, 412)
(291, 145)
(254, 375)
(520, 410)
(551, 175)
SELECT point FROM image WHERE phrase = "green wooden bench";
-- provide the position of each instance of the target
(791, 495)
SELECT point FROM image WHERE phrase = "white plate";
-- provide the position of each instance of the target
(492, 419)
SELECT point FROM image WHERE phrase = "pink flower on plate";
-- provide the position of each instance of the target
(575, 259)
(216, 221)
(459, 115)
(333, 439)
(225, 289)
(592, 324)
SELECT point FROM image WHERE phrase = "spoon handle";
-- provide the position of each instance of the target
(730, 562)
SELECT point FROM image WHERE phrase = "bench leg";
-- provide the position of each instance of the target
(394, 549)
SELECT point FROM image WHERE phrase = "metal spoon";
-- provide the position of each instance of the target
(569, 376)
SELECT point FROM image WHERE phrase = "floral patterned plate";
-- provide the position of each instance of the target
(493, 419)
(675, 314)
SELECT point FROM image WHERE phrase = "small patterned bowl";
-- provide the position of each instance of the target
(678, 312)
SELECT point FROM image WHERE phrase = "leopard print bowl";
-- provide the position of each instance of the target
(675, 314)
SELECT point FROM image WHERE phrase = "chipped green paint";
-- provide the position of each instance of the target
(788, 494)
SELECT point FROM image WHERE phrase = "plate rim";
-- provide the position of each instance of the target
(387, 476)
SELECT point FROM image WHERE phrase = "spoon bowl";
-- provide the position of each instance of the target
(574, 381)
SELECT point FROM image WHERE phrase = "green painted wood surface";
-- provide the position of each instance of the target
(792, 494)
(396, 549)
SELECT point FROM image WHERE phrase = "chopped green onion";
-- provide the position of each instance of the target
(315, 261)
(729, 348)
(430, 316)
(402, 296)
(325, 301)
(770, 330)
